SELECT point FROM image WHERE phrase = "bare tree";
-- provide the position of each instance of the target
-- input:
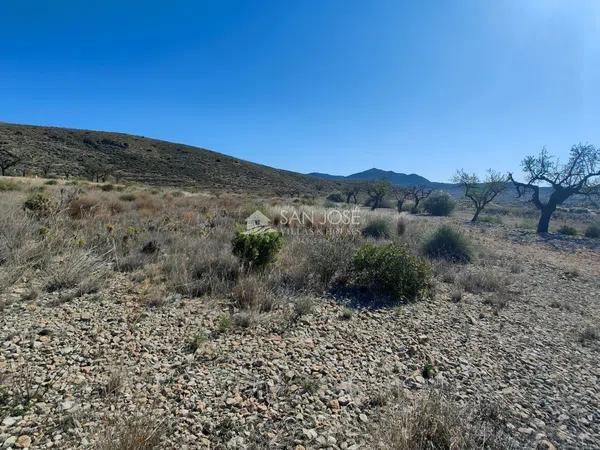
(376, 191)
(351, 191)
(419, 193)
(402, 194)
(580, 175)
(8, 159)
(481, 192)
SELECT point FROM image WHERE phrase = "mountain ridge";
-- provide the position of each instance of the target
(67, 152)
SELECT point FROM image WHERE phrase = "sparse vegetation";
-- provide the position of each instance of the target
(257, 250)
(449, 244)
(392, 270)
(433, 421)
(378, 228)
(439, 204)
(593, 231)
(567, 230)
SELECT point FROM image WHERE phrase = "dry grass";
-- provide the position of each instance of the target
(433, 422)
(140, 433)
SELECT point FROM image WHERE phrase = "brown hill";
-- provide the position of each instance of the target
(96, 154)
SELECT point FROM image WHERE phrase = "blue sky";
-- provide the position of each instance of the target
(332, 86)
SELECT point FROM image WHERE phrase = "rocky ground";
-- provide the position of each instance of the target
(79, 368)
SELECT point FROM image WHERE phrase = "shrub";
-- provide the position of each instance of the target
(196, 267)
(40, 204)
(392, 270)
(315, 264)
(439, 204)
(336, 197)
(567, 230)
(51, 183)
(378, 228)
(478, 281)
(400, 227)
(138, 433)
(257, 249)
(433, 421)
(107, 187)
(251, 293)
(77, 269)
(449, 244)
(593, 231)
(129, 197)
(82, 207)
(7, 185)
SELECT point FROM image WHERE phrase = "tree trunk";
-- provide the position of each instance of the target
(2, 168)
(476, 216)
(399, 205)
(544, 222)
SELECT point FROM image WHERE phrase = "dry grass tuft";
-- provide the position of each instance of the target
(433, 422)
(133, 434)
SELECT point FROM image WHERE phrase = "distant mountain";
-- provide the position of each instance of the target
(399, 179)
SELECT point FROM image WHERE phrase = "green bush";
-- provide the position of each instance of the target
(567, 230)
(257, 249)
(336, 197)
(449, 244)
(7, 185)
(107, 187)
(378, 228)
(439, 204)
(51, 183)
(392, 270)
(39, 203)
(593, 231)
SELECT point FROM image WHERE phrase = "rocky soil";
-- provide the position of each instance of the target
(75, 369)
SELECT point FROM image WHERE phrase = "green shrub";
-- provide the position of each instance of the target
(449, 244)
(439, 204)
(567, 230)
(336, 197)
(392, 270)
(129, 197)
(7, 185)
(39, 203)
(378, 228)
(107, 187)
(51, 183)
(491, 219)
(593, 231)
(257, 249)
(400, 226)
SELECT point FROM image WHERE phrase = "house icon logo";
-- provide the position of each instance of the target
(257, 221)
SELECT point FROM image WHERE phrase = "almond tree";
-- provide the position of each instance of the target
(351, 191)
(376, 191)
(481, 192)
(580, 175)
(419, 193)
(402, 194)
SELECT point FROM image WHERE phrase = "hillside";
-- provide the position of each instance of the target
(71, 152)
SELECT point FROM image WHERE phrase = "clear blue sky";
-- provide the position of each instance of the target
(335, 86)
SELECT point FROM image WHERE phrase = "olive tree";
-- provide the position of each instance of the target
(480, 192)
(580, 175)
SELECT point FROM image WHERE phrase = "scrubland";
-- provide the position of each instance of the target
(142, 318)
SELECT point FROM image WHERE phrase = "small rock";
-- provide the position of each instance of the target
(10, 421)
(23, 441)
